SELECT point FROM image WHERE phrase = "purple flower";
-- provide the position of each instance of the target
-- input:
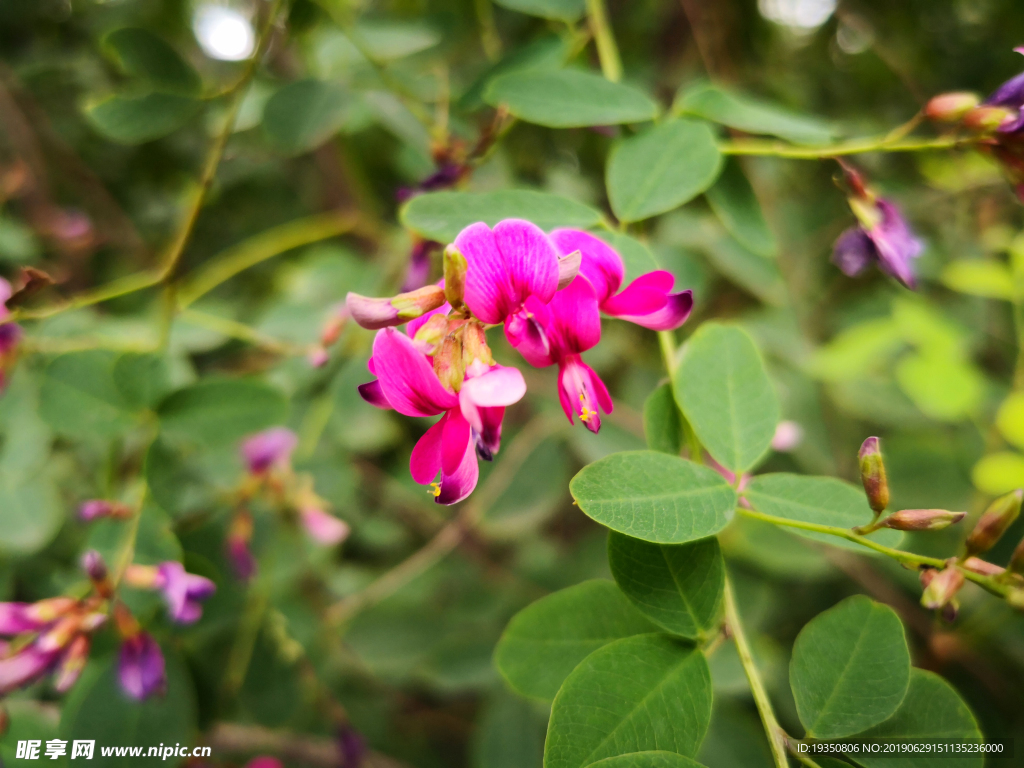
(351, 747)
(1011, 93)
(266, 449)
(882, 237)
(93, 509)
(10, 335)
(183, 591)
(323, 527)
(140, 667)
(418, 271)
(25, 666)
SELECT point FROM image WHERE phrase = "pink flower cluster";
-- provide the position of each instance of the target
(548, 291)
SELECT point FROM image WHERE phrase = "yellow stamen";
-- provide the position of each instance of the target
(435, 490)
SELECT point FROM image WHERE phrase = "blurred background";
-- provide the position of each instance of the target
(98, 167)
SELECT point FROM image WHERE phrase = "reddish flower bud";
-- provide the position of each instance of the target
(922, 519)
(384, 313)
(986, 119)
(1017, 559)
(872, 475)
(95, 569)
(941, 586)
(993, 524)
(455, 266)
(981, 567)
(474, 345)
(70, 667)
(950, 107)
(97, 508)
(449, 365)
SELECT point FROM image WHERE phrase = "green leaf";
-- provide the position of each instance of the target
(820, 500)
(943, 386)
(31, 512)
(442, 215)
(850, 668)
(510, 733)
(657, 759)
(304, 114)
(28, 719)
(734, 202)
(79, 397)
(141, 379)
(999, 473)
(220, 411)
(677, 586)
(389, 39)
(663, 426)
(563, 10)
(569, 98)
(725, 394)
(661, 168)
(750, 115)
(150, 59)
(138, 119)
(932, 709)
(990, 279)
(97, 709)
(545, 641)
(654, 496)
(642, 693)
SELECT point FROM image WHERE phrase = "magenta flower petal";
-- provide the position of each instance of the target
(16, 618)
(601, 265)
(530, 258)
(425, 461)
(487, 293)
(677, 308)
(323, 527)
(372, 393)
(853, 252)
(581, 392)
(183, 591)
(25, 666)
(265, 449)
(264, 761)
(498, 386)
(454, 442)
(460, 483)
(140, 667)
(407, 378)
(647, 294)
(488, 436)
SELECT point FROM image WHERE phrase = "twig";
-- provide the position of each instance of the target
(767, 148)
(764, 705)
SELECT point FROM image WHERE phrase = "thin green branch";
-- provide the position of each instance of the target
(261, 247)
(769, 148)
(772, 729)
(607, 50)
(237, 330)
(120, 287)
(903, 557)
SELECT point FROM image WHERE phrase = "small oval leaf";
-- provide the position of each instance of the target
(218, 412)
(654, 496)
(152, 60)
(569, 98)
(138, 119)
(850, 668)
(663, 427)
(724, 391)
(643, 693)
(647, 760)
(545, 641)
(304, 114)
(737, 207)
(677, 586)
(661, 168)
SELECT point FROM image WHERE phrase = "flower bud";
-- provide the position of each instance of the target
(1016, 598)
(950, 107)
(981, 567)
(455, 266)
(941, 586)
(993, 524)
(71, 664)
(432, 332)
(1017, 559)
(950, 611)
(474, 345)
(94, 567)
(987, 118)
(384, 313)
(448, 363)
(872, 475)
(922, 519)
(97, 508)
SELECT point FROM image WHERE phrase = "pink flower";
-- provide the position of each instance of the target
(269, 448)
(183, 591)
(570, 324)
(10, 335)
(508, 265)
(323, 527)
(97, 508)
(140, 667)
(470, 420)
(647, 301)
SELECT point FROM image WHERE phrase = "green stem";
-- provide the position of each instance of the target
(853, 147)
(489, 38)
(772, 728)
(236, 330)
(261, 247)
(905, 558)
(607, 50)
